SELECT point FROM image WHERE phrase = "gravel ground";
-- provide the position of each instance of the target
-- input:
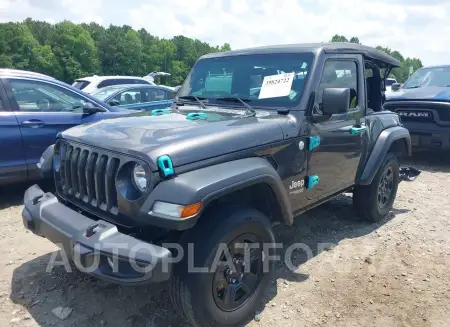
(392, 273)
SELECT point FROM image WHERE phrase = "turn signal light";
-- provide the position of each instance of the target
(176, 210)
(191, 210)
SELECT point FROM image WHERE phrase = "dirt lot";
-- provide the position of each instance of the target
(394, 273)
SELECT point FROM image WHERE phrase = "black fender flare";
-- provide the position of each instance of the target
(384, 141)
(210, 183)
(45, 164)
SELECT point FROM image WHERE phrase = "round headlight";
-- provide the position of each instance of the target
(140, 177)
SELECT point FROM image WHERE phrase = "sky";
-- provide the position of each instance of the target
(416, 28)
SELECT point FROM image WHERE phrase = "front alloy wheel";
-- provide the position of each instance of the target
(235, 282)
(228, 241)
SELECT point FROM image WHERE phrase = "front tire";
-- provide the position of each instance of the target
(223, 296)
(374, 202)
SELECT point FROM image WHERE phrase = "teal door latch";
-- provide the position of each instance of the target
(314, 142)
(357, 129)
(312, 181)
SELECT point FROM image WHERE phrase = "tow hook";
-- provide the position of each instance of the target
(409, 174)
(36, 199)
(91, 230)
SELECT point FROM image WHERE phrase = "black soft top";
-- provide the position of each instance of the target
(382, 59)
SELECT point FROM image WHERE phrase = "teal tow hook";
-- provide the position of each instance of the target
(165, 165)
(159, 112)
(196, 115)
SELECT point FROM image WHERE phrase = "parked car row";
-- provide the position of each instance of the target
(34, 108)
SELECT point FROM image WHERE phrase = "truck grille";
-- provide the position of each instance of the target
(421, 110)
(89, 176)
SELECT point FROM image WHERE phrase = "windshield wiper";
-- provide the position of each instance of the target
(251, 111)
(412, 87)
(193, 97)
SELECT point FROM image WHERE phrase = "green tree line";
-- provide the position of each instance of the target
(68, 51)
(401, 73)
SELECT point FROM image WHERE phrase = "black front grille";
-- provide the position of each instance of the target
(440, 110)
(88, 175)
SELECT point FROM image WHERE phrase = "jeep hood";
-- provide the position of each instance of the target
(427, 93)
(183, 139)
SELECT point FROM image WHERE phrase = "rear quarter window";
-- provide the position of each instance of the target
(138, 81)
(80, 84)
(119, 81)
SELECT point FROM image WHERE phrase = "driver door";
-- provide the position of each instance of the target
(337, 158)
(42, 109)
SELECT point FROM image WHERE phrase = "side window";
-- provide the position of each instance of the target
(138, 81)
(1, 105)
(129, 97)
(34, 96)
(120, 81)
(170, 95)
(160, 95)
(108, 82)
(155, 95)
(340, 74)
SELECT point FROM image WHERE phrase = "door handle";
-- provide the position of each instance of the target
(357, 129)
(33, 123)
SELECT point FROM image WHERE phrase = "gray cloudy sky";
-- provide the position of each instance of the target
(417, 28)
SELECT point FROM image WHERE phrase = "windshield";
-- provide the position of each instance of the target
(433, 76)
(105, 92)
(268, 80)
(79, 84)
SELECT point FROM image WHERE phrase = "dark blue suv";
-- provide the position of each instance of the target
(34, 108)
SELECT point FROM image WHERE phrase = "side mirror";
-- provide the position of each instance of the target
(89, 109)
(335, 101)
(114, 102)
(395, 86)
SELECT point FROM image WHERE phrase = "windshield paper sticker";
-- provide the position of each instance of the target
(275, 86)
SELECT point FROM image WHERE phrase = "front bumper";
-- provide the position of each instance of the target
(429, 136)
(95, 246)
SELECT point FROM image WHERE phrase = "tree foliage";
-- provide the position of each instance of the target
(342, 38)
(68, 51)
(401, 73)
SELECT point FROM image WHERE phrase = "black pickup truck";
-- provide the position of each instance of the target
(190, 194)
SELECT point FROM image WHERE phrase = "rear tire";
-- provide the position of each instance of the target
(201, 298)
(374, 202)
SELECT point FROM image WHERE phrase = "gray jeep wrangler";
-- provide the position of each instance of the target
(189, 194)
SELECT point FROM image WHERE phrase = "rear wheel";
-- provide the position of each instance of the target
(230, 244)
(373, 202)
